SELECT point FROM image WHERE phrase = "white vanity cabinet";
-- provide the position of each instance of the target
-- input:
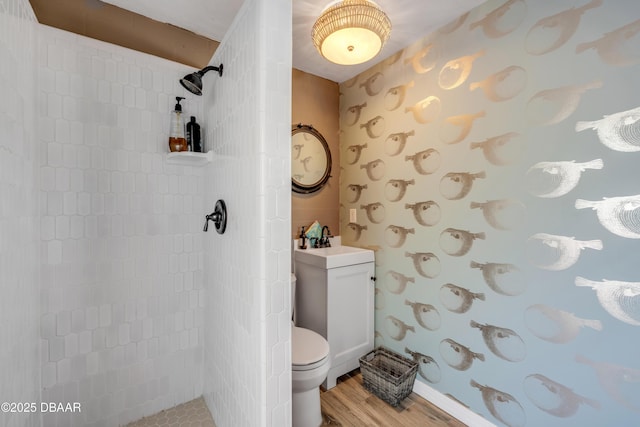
(337, 301)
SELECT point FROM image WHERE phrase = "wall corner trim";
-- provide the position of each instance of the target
(450, 406)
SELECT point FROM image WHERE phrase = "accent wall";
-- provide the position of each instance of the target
(492, 165)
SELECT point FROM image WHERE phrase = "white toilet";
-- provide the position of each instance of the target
(309, 368)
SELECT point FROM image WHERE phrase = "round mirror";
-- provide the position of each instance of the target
(310, 159)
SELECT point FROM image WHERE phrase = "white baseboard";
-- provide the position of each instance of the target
(450, 406)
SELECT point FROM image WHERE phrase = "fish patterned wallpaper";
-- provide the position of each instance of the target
(494, 166)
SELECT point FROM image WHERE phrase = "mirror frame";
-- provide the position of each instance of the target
(299, 187)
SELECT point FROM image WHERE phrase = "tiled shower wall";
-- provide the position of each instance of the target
(122, 266)
(247, 337)
(19, 239)
(118, 301)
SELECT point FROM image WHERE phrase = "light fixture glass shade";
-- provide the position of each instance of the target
(351, 32)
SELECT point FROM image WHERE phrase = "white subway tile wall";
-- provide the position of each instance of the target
(105, 271)
(122, 250)
(20, 357)
(247, 343)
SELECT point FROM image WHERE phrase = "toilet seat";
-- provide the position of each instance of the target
(308, 349)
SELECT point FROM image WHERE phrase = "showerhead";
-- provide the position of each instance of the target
(193, 82)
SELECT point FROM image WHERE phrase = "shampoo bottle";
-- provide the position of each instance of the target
(193, 135)
(177, 141)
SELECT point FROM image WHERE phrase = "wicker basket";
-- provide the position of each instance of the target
(388, 375)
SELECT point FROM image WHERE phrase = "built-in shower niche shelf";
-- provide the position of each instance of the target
(189, 158)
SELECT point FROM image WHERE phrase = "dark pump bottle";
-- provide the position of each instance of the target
(193, 135)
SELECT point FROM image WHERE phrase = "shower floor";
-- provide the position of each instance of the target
(190, 414)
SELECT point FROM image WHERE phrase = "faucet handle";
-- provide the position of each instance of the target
(325, 237)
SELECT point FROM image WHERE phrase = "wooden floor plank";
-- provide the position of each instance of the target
(349, 404)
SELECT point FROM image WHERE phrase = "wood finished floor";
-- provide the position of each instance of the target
(349, 404)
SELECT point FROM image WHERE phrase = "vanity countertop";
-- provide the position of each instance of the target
(332, 257)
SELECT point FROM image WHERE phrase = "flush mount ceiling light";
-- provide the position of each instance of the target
(351, 32)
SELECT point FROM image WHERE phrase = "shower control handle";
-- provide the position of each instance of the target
(218, 216)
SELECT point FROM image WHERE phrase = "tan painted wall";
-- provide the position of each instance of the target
(315, 101)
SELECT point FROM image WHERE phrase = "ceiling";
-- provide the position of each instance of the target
(411, 20)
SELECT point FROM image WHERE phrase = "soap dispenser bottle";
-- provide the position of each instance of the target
(177, 141)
